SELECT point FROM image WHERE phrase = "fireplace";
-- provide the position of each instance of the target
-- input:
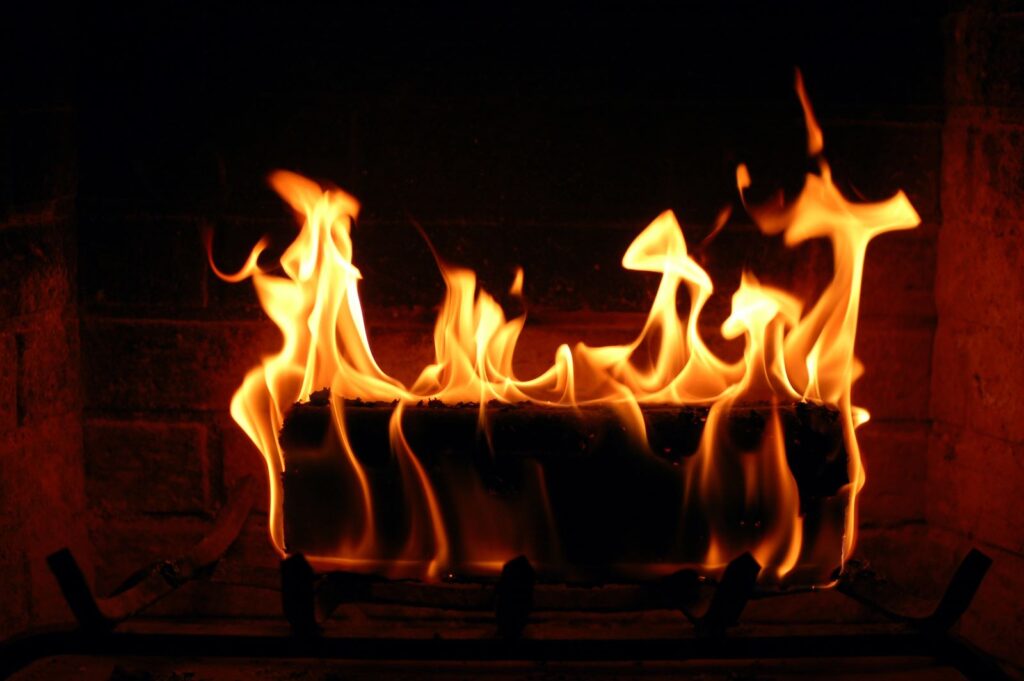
(136, 141)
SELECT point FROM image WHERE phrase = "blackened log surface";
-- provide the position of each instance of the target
(813, 432)
(608, 491)
(815, 451)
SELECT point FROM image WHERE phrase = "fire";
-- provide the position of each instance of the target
(746, 494)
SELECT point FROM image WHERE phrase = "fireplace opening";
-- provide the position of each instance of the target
(623, 459)
(557, 345)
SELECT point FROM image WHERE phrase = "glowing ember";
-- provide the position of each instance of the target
(791, 355)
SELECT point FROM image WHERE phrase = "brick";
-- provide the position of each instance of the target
(145, 266)
(986, 57)
(199, 365)
(37, 274)
(983, 169)
(897, 360)
(42, 484)
(56, 461)
(976, 378)
(146, 467)
(15, 613)
(979, 273)
(239, 457)
(973, 486)
(8, 382)
(48, 380)
(894, 455)
(899, 276)
(159, 365)
(43, 464)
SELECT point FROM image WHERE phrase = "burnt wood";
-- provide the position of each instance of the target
(613, 497)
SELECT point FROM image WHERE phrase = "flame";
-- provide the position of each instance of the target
(747, 496)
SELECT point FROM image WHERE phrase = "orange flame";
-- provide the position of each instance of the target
(790, 354)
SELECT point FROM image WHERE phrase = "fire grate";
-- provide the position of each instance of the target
(714, 609)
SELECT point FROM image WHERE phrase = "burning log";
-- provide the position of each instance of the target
(567, 468)
(612, 504)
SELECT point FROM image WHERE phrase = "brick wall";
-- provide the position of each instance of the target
(977, 441)
(42, 495)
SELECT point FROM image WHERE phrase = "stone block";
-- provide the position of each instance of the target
(974, 486)
(899, 276)
(41, 479)
(985, 63)
(15, 613)
(147, 467)
(976, 378)
(48, 379)
(897, 360)
(166, 365)
(983, 168)
(239, 457)
(979, 280)
(8, 382)
(894, 454)
(141, 265)
(37, 274)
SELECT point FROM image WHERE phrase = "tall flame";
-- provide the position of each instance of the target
(791, 353)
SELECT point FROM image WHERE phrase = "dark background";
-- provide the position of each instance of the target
(490, 119)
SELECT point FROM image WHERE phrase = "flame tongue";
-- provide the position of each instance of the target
(789, 355)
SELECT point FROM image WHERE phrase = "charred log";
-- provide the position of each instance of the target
(613, 498)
